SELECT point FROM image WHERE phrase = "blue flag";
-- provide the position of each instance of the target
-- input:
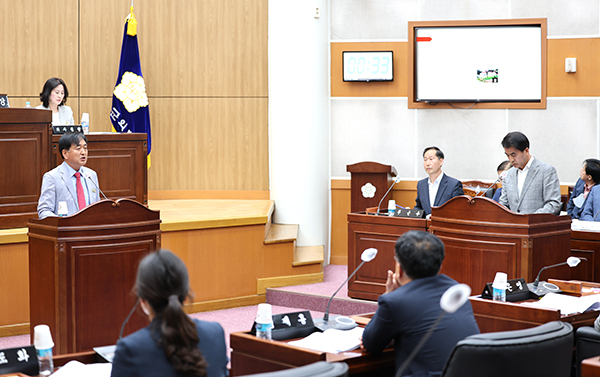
(130, 111)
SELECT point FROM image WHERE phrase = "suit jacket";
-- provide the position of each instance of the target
(406, 314)
(140, 355)
(57, 186)
(449, 188)
(572, 209)
(65, 113)
(592, 205)
(540, 194)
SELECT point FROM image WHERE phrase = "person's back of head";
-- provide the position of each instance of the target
(420, 254)
(592, 167)
(504, 165)
(163, 282)
(517, 140)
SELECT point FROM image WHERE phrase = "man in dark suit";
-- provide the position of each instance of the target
(411, 304)
(531, 186)
(438, 188)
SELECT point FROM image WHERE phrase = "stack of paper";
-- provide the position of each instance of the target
(568, 304)
(332, 340)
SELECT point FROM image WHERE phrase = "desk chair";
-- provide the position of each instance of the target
(543, 351)
(587, 344)
(318, 369)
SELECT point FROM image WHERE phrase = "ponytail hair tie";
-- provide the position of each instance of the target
(173, 297)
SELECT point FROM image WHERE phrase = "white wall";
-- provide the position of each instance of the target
(386, 131)
(299, 117)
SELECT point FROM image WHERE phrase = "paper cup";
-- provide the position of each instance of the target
(263, 315)
(500, 280)
(42, 339)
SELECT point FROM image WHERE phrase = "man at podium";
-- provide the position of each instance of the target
(532, 186)
(69, 187)
(438, 188)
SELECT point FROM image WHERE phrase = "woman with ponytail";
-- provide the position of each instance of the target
(173, 344)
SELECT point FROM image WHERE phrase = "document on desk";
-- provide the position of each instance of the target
(568, 304)
(332, 340)
(76, 369)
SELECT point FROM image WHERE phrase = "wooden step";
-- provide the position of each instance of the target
(281, 233)
(308, 255)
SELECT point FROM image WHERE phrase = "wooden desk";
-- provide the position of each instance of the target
(380, 232)
(492, 316)
(251, 355)
(586, 245)
(88, 357)
(590, 367)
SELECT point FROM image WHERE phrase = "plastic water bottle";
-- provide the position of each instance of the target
(46, 362)
(264, 321)
(85, 123)
(42, 341)
(499, 287)
(391, 207)
(28, 104)
(264, 330)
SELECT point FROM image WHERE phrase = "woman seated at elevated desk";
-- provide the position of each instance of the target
(589, 176)
(173, 344)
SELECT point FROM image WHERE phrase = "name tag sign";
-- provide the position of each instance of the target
(22, 359)
(291, 325)
(407, 212)
(4, 100)
(516, 290)
(64, 128)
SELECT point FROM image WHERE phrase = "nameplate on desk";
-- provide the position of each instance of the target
(407, 212)
(20, 359)
(291, 325)
(516, 290)
(64, 128)
(4, 100)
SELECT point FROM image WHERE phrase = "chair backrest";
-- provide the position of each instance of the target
(318, 369)
(545, 351)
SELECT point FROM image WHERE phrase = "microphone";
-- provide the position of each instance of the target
(89, 177)
(501, 177)
(451, 301)
(545, 288)
(396, 180)
(343, 323)
(137, 302)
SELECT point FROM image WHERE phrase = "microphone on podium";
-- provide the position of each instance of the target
(396, 180)
(451, 301)
(87, 175)
(340, 322)
(538, 290)
(500, 177)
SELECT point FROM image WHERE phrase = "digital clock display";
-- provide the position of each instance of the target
(368, 65)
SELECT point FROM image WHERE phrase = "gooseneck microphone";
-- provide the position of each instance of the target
(137, 302)
(89, 177)
(323, 323)
(501, 177)
(539, 291)
(396, 180)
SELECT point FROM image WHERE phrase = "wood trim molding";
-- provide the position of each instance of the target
(208, 194)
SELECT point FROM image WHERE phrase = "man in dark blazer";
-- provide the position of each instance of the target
(411, 304)
(438, 186)
(531, 186)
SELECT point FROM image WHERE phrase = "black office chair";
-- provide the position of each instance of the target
(587, 344)
(318, 369)
(543, 351)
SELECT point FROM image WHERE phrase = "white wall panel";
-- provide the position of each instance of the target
(463, 10)
(564, 17)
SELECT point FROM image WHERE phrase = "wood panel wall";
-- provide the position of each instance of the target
(205, 68)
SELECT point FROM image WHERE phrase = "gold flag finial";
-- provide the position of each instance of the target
(131, 24)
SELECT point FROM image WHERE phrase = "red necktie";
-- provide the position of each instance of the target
(80, 194)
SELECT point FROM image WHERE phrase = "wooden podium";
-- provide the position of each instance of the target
(82, 269)
(482, 237)
(25, 139)
(380, 232)
(371, 174)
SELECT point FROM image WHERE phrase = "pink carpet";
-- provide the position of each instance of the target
(302, 297)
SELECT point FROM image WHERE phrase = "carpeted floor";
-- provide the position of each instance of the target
(242, 319)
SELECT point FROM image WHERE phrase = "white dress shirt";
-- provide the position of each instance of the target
(522, 175)
(433, 188)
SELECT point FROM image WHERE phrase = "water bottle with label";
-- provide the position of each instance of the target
(264, 322)
(28, 105)
(42, 341)
(391, 207)
(85, 123)
(499, 287)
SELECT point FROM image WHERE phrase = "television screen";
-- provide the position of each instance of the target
(368, 65)
(500, 63)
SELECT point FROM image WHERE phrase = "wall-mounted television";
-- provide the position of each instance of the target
(496, 61)
(368, 66)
